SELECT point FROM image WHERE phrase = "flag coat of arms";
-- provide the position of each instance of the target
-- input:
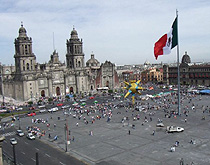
(167, 42)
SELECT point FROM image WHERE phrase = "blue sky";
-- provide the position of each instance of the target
(121, 31)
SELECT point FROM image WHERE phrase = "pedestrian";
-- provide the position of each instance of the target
(177, 143)
(49, 136)
(73, 138)
(185, 120)
(69, 132)
(181, 161)
(153, 133)
(129, 132)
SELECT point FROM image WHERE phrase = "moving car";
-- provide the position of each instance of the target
(171, 129)
(42, 110)
(13, 141)
(20, 133)
(53, 109)
(32, 114)
(31, 136)
(59, 104)
(83, 100)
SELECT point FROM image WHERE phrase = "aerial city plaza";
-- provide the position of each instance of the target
(76, 112)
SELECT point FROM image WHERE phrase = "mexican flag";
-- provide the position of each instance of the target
(167, 42)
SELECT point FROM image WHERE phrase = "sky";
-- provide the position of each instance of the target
(120, 31)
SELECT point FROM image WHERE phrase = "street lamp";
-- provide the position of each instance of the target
(14, 154)
(19, 121)
(65, 129)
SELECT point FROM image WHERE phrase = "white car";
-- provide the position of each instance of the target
(41, 106)
(53, 109)
(20, 133)
(31, 136)
(19, 109)
(172, 129)
(42, 110)
(13, 141)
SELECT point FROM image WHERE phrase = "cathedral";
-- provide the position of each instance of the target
(29, 80)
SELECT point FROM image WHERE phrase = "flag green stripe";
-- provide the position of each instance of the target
(174, 34)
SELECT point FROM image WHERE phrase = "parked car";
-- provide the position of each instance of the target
(31, 136)
(160, 124)
(20, 133)
(172, 129)
(91, 97)
(13, 141)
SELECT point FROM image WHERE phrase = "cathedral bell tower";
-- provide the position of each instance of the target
(25, 60)
(75, 55)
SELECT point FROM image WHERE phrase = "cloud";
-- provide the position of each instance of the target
(121, 31)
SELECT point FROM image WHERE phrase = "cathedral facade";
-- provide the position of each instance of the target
(29, 79)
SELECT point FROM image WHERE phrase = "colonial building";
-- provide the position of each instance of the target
(153, 75)
(29, 79)
(190, 74)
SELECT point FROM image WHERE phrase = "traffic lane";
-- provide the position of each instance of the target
(26, 151)
(56, 156)
(23, 155)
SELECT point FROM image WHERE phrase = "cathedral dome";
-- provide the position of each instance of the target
(92, 61)
(74, 32)
(22, 31)
(146, 62)
(186, 59)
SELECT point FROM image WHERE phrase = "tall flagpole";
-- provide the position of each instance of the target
(178, 70)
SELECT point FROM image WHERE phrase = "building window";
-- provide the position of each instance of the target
(27, 66)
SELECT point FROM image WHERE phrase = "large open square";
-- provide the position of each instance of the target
(131, 136)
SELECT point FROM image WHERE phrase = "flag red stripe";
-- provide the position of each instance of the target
(158, 49)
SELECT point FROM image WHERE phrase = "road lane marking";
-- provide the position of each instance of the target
(5, 141)
(9, 134)
(23, 153)
(33, 159)
(26, 143)
(37, 149)
(62, 163)
(47, 155)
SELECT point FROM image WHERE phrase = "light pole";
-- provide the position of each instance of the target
(37, 158)
(65, 129)
(19, 121)
(14, 154)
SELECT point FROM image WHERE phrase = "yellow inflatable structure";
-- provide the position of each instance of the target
(133, 88)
